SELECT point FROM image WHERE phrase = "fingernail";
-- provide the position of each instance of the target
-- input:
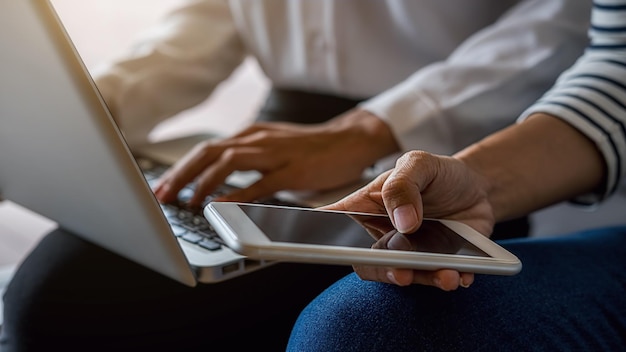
(164, 187)
(404, 217)
(392, 277)
(399, 242)
(463, 284)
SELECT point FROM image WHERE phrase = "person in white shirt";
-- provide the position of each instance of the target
(432, 75)
(364, 80)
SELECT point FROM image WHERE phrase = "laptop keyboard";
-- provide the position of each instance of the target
(187, 224)
(192, 227)
(190, 224)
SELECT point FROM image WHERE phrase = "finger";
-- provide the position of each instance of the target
(401, 191)
(185, 171)
(257, 126)
(367, 199)
(263, 126)
(263, 134)
(467, 279)
(374, 273)
(401, 277)
(444, 279)
(233, 159)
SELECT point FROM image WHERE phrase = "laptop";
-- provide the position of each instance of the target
(62, 156)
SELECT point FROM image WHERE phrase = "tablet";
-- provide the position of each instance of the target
(304, 235)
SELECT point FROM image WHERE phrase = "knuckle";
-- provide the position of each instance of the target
(203, 147)
(262, 135)
(203, 150)
(396, 186)
(413, 157)
(174, 179)
(229, 154)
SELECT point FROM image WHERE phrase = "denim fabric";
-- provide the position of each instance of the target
(570, 296)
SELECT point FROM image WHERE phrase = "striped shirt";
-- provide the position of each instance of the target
(591, 95)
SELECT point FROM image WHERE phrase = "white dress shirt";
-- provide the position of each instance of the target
(442, 73)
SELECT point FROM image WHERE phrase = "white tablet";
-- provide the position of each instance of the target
(306, 235)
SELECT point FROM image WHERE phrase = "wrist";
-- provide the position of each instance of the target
(490, 179)
(366, 130)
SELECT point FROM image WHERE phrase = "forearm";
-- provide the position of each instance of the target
(539, 162)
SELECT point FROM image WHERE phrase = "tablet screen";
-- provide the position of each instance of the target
(338, 229)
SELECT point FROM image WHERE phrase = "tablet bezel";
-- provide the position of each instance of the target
(243, 236)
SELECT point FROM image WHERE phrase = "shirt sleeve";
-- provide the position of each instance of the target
(591, 95)
(172, 67)
(487, 82)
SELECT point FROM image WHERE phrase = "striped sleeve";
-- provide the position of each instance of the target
(591, 95)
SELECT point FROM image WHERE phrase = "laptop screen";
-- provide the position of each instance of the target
(61, 154)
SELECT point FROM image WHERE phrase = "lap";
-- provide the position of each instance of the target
(73, 294)
(569, 296)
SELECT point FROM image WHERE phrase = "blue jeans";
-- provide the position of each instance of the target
(570, 295)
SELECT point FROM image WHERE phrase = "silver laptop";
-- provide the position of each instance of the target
(62, 156)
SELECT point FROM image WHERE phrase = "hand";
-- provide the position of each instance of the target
(289, 157)
(422, 185)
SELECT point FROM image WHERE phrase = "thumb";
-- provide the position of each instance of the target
(401, 191)
(405, 218)
(403, 202)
